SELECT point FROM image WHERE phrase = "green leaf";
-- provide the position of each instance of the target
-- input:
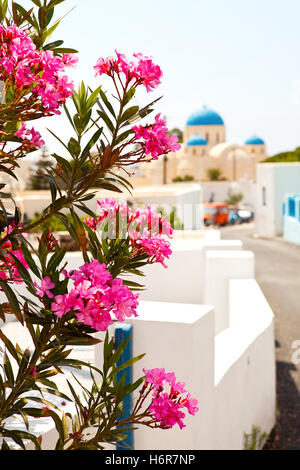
(11, 297)
(53, 45)
(107, 121)
(74, 147)
(90, 145)
(55, 260)
(9, 372)
(20, 436)
(29, 260)
(129, 113)
(107, 103)
(10, 347)
(127, 364)
(128, 96)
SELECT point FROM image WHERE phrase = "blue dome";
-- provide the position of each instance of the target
(196, 140)
(254, 140)
(205, 117)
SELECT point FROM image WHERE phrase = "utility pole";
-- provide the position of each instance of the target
(165, 172)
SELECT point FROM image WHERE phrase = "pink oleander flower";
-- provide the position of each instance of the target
(146, 229)
(139, 71)
(167, 412)
(8, 266)
(157, 249)
(169, 399)
(37, 74)
(157, 377)
(124, 302)
(31, 136)
(155, 138)
(70, 60)
(95, 297)
(45, 288)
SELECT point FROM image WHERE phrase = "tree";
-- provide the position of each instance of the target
(285, 157)
(234, 198)
(178, 133)
(214, 174)
(38, 181)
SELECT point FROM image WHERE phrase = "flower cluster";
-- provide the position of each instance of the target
(156, 139)
(8, 266)
(45, 288)
(146, 229)
(36, 75)
(139, 71)
(169, 398)
(94, 298)
(31, 137)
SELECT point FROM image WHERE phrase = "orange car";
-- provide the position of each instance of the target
(216, 213)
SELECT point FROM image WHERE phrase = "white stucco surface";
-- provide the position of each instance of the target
(206, 319)
(278, 179)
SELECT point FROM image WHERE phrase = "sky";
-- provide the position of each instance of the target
(240, 58)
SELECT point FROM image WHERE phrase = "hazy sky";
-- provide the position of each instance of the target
(241, 58)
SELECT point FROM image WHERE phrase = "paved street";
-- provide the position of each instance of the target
(278, 273)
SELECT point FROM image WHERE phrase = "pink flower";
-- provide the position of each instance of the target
(147, 72)
(168, 398)
(145, 228)
(155, 377)
(156, 139)
(70, 60)
(139, 71)
(60, 306)
(8, 267)
(95, 297)
(31, 136)
(191, 404)
(44, 289)
(125, 302)
(167, 412)
(37, 74)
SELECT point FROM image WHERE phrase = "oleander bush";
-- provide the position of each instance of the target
(64, 308)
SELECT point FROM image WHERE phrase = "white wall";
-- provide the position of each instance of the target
(245, 376)
(278, 179)
(221, 188)
(179, 338)
(224, 352)
(185, 278)
(232, 375)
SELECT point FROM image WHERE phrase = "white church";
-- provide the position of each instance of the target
(205, 148)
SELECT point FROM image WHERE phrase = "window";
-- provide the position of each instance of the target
(218, 138)
(292, 207)
(207, 136)
(264, 196)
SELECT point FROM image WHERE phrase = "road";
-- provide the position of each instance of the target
(278, 274)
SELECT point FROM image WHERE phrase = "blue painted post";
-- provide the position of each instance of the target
(123, 332)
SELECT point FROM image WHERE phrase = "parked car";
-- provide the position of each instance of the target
(240, 216)
(216, 213)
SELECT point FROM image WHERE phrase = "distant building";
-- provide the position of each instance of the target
(204, 148)
(274, 182)
(291, 218)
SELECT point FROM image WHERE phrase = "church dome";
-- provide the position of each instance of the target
(196, 140)
(254, 140)
(205, 117)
